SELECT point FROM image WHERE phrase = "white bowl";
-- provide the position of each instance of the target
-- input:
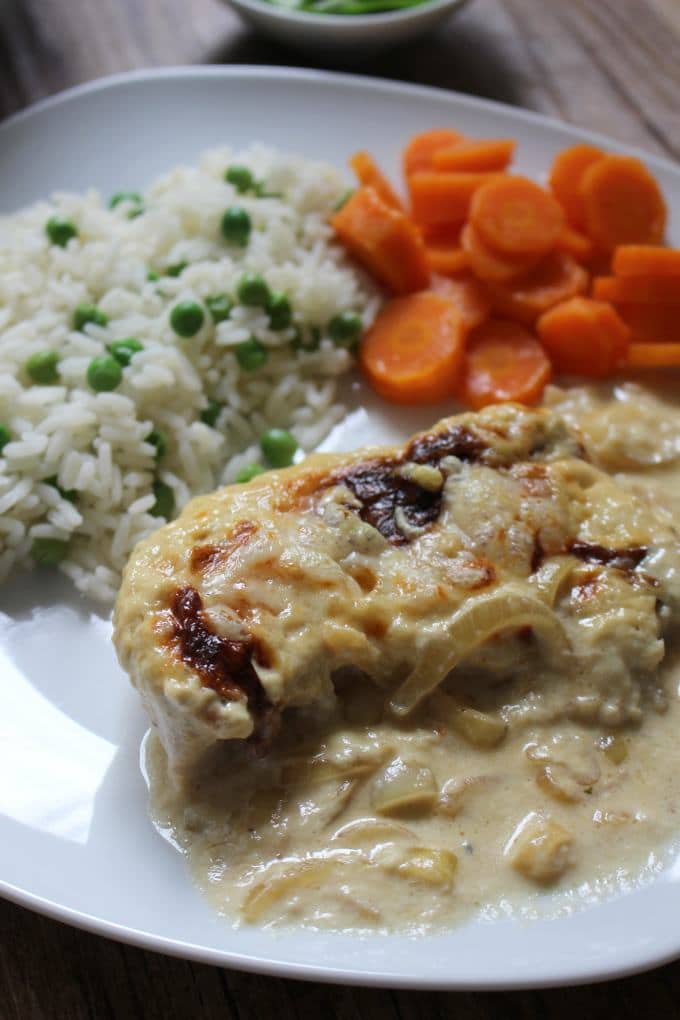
(351, 33)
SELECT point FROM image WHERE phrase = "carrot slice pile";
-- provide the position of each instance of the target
(498, 266)
(566, 177)
(371, 176)
(413, 352)
(384, 240)
(516, 216)
(556, 278)
(494, 154)
(468, 295)
(641, 289)
(651, 322)
(441, 198)
(622, 203)
(504, 362)
(490, 265)
(654, 356)
(584, 337)
(646, 260)
(419, 153)
(576, 244)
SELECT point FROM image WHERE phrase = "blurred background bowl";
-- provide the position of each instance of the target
(345, 34)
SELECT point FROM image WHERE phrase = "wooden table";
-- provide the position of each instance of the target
(611, 65)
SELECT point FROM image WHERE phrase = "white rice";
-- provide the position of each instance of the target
(94, 443)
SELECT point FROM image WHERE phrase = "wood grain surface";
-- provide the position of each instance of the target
(610, 65)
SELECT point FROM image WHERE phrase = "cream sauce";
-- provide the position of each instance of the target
(356, 821)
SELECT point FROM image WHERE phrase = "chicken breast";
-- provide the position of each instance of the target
(483, 550)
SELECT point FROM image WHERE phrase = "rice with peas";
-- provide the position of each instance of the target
(84, 474)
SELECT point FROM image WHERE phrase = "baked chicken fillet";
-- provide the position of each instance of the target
(484, 547)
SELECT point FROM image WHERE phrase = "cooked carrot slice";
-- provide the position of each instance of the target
(516, 216)
(556, 278)
(421, 148)
(649, 323)
(566, 175)
(623, 203)
(646, 260)
(653, 356)
(371, 176)
(576, 244)
(490, 154)
(447, 261)
(413, 352)
(468, 295)
(584, 337)
(638, 289)
(383, 240)
(489, 264)
(503, 362)
(439, 198)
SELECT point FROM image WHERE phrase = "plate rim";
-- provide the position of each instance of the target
(269, 964)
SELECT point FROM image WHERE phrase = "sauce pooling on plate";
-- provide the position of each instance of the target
(515, 778)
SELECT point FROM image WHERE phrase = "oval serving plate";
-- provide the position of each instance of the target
(77, 842)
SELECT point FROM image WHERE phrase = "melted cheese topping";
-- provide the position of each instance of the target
(545, 760)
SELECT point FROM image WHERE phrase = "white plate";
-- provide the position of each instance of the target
(75, 837)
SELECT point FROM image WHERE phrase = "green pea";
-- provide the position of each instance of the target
(152, 276)
(176, 269)
(345, 328)
(306, 342)
(158, 439)
(60, 230)
(186, 318)
(122, 350)
(279, 310)
(48, 552)
(241, 177)
(343, 199)
(104, 374)
(211, 413)
(85, 313)
(219, 306)
(236, 225)
(43, 367)
(133, 198)
(165, 501)
(248, 472)
(251, 355)
(70, 494)
(279, 447)
(252, 290)
(5, 437)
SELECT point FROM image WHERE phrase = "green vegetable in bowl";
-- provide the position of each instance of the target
(5, 436)
(157, 439)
